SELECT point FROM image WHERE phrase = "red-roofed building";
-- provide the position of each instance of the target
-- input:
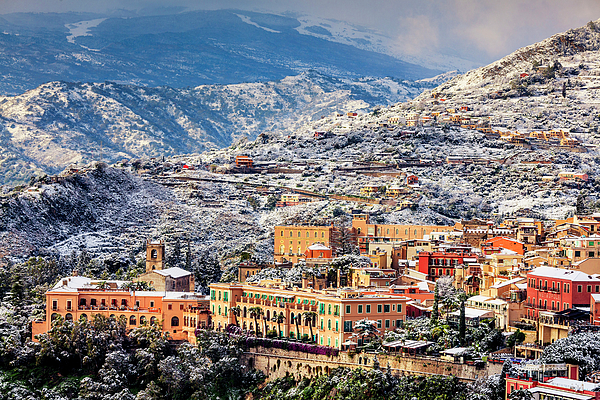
(503, 243)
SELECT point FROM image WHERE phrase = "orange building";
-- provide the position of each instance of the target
(243, 161)
(335, 311)
(76, 297)
(494, 245)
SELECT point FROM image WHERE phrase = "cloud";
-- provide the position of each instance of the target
(418, 35)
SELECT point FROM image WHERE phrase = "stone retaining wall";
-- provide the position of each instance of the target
(277, 363)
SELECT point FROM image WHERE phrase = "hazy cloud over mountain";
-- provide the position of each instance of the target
(478, 30)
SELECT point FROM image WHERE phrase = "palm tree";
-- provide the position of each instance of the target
(236, 311)
(310, 317)
(255, 312)
(297, 319)
(265, 319)
(279, 318)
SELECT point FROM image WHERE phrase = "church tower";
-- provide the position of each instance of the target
(155, 255)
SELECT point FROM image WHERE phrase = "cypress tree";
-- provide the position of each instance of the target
(435, 314)
(462, 328)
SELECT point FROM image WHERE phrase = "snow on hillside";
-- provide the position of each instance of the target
(372, 40)
(59, 123)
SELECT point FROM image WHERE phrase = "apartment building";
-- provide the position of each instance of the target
(329, 316)
(292, 242)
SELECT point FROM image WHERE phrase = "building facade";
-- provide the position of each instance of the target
(330, 316)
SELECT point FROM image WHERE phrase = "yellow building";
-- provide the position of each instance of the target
(291, 242)
(332, 318)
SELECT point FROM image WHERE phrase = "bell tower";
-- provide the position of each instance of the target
(155, 255)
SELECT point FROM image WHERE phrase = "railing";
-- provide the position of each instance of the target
(120, 309)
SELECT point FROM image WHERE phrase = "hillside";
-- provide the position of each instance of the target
(184, 49)
(59, 123)
(551, 84)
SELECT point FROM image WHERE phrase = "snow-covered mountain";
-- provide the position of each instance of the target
(184, 49)
(60, 123)
(575, 49)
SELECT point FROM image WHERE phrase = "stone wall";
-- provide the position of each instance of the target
(277, 363)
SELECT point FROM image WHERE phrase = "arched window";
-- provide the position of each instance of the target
(53, 317)
(154, 254)
(245, 312)
(112, 316)
(69, 317)
(83, 317)
(329, 324)
(132, 320)
(174, 321)
(299, 234)
(307, 234)
(268, 314)
(143, 320)
(153, 321)
(292, 317)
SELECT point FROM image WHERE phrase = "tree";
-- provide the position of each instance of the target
(462, 326)
(310, 316)
(297, 322)
(175, 258)
(255, 312)
(236, 311)
(435, 314)
(516, 338)
(188, 257)
(279, 318)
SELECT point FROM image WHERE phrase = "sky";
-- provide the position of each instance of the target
(479, 30)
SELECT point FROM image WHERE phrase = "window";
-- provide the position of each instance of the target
(348, 309)
(360, 308)
(386, 308)
(69, 305)
(567, 287)
(347, 326)
(55, 305)
(579, 288)
(368, 308)
(596, 288)
(152, 304)
(329, 309)
(591, 254)
(170, 306)
(399, 308)
(379, 323)
(337, 326)
(577, 253)
(387, 323)
(174, 321)
(379, 308)
(329, 324)
(132, 320)
(589, 288)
